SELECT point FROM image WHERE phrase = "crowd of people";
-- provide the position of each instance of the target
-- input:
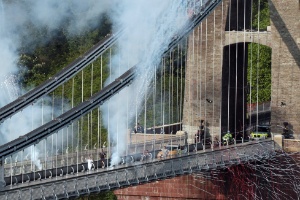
(201, 136)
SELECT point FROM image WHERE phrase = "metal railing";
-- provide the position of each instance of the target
(12, 168)
(102, 180)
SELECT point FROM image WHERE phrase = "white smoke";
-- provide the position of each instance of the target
(18, 18)
(149, 27)
(36, 159)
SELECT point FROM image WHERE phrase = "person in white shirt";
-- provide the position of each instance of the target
(90, 163)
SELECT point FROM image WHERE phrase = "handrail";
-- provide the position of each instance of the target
(210, 159)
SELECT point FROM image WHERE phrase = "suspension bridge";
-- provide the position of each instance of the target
(61, 170)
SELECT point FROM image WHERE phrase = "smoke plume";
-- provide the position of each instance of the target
(18, 18)
(149, 27)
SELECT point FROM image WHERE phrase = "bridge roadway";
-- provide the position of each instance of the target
(22, 171)
(134, 173)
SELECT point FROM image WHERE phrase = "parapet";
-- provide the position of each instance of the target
(278, 140)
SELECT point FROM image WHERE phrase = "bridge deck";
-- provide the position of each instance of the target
(138, 172)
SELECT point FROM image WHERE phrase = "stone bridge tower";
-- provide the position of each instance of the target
(218, 50)
(285, 23)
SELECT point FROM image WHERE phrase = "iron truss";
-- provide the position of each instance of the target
(94, 181)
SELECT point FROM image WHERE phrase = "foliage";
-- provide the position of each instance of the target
(259, 57)
(259, 73)
(102, 196)
(261, 13)
(164, 103)
(49, 56)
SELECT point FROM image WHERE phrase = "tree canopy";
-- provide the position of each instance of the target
(259, 73)
(259, 57)
(261, 14)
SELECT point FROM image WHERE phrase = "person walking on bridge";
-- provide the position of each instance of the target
(90, 163)
(102, 158)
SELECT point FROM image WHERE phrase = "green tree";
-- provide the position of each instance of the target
(102, 196)
(47, 57)
(165, 100)
(261, 13)
(259, 72)
(259, 56)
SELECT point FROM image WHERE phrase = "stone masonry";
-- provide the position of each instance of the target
(182, 187)
(285, 25)
(204, 74)
(205, 63)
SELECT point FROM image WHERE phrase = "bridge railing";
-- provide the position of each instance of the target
(55, 167)
(128, 175)
(68, 159)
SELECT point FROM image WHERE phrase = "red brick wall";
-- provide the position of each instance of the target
(182, 187)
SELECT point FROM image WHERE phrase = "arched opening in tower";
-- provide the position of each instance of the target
(246, 70)
(246, 88)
